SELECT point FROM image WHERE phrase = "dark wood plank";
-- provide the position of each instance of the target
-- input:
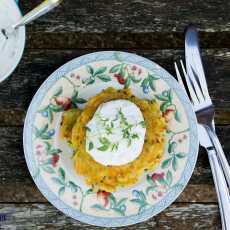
(14, 173)
(45, 216)
(183, 217)
(12, 116)
(26, 192)
(112, 40)
(127, 16)
(36, 65)
(129, 24)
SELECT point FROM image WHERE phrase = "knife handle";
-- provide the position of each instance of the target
(221, 188)
(220, 154)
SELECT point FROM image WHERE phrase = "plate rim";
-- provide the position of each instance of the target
(112, 221)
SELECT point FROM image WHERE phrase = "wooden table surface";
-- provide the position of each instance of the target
(151, 28)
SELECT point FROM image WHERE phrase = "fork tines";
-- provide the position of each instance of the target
(194, 88)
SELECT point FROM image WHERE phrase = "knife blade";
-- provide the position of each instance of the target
(218, 176)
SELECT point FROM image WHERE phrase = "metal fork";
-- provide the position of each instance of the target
(204, 112)
(196, 74)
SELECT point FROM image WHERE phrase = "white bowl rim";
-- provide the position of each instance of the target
(22, 36)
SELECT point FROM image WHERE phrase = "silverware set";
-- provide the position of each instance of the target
(195, 86)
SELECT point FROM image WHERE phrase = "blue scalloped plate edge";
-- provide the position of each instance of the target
(119, 221)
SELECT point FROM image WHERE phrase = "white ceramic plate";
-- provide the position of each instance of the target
(11, 50)
(49, 159)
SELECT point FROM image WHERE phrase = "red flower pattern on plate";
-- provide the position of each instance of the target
(119, 78)
(65, 102)
(168, 114)
(54, 160)
(40, 152)
(103, 197)
(157, 176)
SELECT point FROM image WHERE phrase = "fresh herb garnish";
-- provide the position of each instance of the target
(115, 147)
(135, 136)
(126, 128)
(105, 144)
(91, 145)
(109, 126)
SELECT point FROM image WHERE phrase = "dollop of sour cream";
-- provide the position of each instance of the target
(115, 135)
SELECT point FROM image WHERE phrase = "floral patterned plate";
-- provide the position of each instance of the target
(49, 159)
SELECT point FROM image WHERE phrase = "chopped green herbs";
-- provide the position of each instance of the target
(105, 144)
(111, 126)
(91, 145)
(115, 147)
(126, 128)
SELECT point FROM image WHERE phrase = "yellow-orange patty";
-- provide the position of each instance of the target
(109, 178)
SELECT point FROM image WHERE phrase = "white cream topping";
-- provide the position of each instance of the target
(115, 135)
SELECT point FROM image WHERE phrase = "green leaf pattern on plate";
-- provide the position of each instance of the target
(99, 73)
(43, 132)
(111, 203)
(47, 157)
(140, 199)
(174, 155)
(167, 106)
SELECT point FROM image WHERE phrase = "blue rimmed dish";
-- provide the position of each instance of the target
(49, 159)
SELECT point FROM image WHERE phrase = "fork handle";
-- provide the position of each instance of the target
(221, 189)
(220, 154)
